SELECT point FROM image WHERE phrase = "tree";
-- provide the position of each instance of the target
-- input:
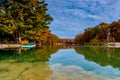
(79, 39)
(94, 35)
(102, 33)
(22, 16)
(115, 31)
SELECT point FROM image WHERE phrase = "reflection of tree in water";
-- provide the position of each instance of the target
(29, 65)
(32, 55)
(44, 53)
(66, 47)
(7, 54)
(101, 55)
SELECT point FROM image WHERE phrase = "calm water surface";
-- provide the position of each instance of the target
(60, 63)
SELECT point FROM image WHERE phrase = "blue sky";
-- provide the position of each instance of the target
(71, 17)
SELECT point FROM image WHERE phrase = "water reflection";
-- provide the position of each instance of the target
(60, 63)
(29, 64)
(67, 63)
(101, 55)
(70, 66)
(30, 54)
(27, 55)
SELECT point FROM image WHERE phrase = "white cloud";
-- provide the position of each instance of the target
(73, 72)
(104, 1)
(94, 16)
(74, 13)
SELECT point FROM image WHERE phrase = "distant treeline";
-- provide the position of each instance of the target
(99, 34)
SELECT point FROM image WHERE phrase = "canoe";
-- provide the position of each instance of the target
(29, 45)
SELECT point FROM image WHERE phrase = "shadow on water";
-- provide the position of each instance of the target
(101, 55)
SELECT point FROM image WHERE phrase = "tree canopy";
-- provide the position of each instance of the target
(23, 18)
(100, 34)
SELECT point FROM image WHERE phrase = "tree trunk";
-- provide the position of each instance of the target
(19, 38)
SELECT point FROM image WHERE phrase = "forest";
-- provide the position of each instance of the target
(25, 19)
(102, 33)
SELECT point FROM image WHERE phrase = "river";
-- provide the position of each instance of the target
(60, 63)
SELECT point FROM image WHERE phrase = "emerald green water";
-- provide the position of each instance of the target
(60, 63)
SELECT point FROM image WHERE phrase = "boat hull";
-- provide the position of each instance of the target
(28, 45)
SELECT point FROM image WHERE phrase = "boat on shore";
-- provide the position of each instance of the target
(113, 44)
(29, 45)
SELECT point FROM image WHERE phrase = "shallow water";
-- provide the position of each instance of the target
(60, 63)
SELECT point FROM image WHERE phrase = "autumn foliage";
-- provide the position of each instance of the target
(101, 33)
(25, 19)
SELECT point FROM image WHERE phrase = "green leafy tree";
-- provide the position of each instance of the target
(21, 16)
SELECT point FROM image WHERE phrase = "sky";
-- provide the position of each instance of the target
(71, 17)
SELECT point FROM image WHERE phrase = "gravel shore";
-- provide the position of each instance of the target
(10, 45)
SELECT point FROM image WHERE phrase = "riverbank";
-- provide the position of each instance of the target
(10, 45)
(114, 44)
